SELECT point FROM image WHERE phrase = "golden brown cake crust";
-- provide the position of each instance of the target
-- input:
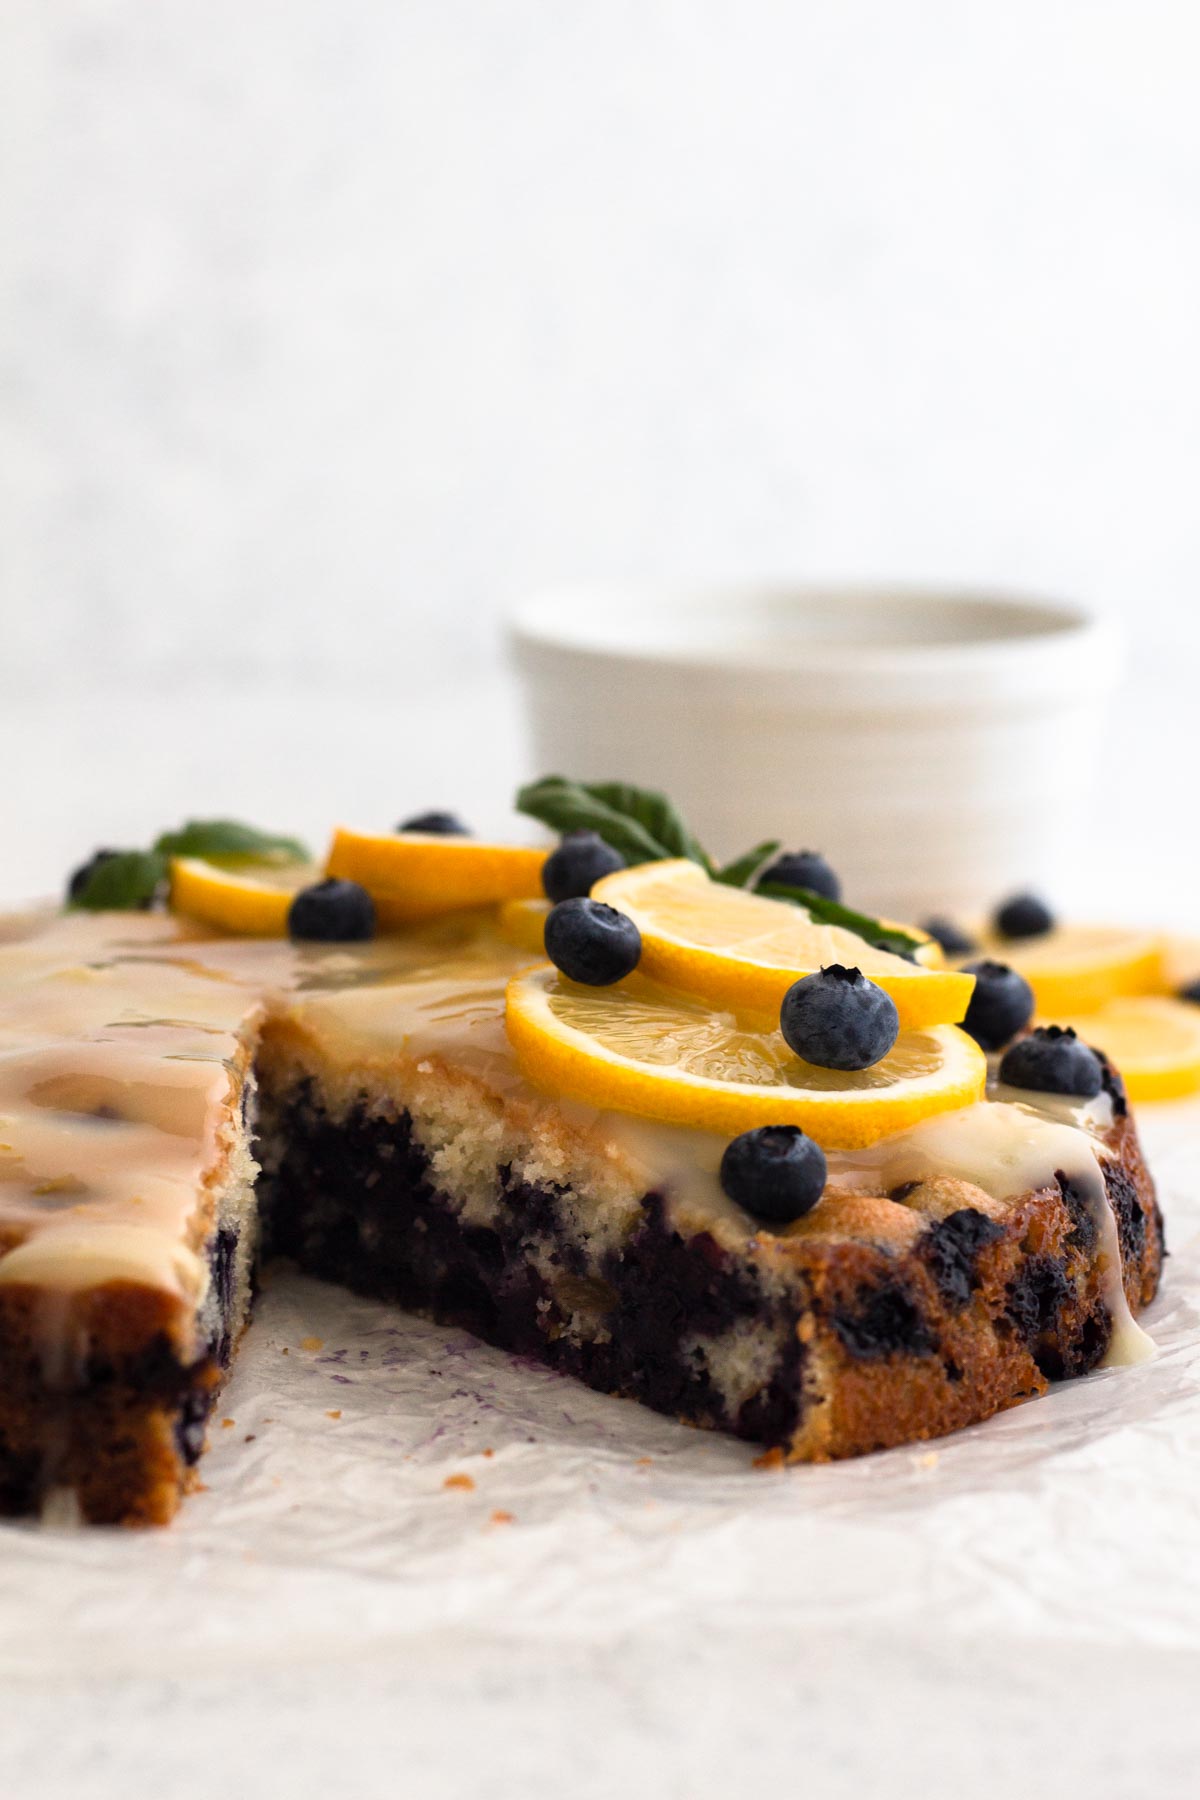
(914, 1340)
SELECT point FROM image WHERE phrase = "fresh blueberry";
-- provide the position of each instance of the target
(435, 824)
(805, 869)
(580, 860)
(1052, 1060)
(1001, 1004)
(1191, 992)
(332, 912)
(775, 1173)
(83, 874)
(838, 1019)
(952, 938)
(1023, 916)
(592, 943)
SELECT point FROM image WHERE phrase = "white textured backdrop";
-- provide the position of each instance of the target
(328, 328)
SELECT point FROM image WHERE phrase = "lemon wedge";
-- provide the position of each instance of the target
(743, 950)
(250, 898)
(1076, 968)
(640, 1049)
(413, 876)
(523, 923)
(1153, 1041)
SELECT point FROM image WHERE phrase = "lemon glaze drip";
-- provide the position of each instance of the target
(120, 1035)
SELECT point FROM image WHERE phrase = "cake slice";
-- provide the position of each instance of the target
(173, 1099)
(128, 1213)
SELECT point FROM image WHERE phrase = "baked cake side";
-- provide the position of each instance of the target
(881, 1318)
(147, 1069)
(128, 1213)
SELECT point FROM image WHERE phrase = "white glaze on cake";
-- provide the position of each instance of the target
(142, 1017)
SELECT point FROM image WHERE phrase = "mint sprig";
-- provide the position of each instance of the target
(742, 870)
(645, 827)
(128, 880)
(225, 839)
(641, 824)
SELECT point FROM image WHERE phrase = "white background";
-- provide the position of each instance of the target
(328, 329)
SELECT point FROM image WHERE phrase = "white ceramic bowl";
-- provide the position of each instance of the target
(938, 747)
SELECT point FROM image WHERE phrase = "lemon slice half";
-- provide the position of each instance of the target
(1153, 1041)
(639, 1049)
(413, 876)
(250, 898)
(744, 950)
(1076, 968)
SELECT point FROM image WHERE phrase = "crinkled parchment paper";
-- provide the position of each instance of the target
(384, 1494)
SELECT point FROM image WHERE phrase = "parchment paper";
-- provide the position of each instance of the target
(375, 1483)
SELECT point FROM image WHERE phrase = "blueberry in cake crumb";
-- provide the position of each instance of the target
(435, 824)
(1023, 916)
(1191, 992)
(1052, 1060)
(775, 1173)
(952, 938)
(1001, 1004)
(885, 1321)
(571, 871)
(804, 869)
(951, 1248)
(332, 912)
(838, 1019)
(592, 943)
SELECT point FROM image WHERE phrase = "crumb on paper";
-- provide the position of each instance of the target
(312, 1343)
(335, 1414)
(286, 1351)
(461, 1481)
(929, 1460)
(644, 1462)
(226, 1423)
(770, 1459)
(489, 1453)
(500, 1517)
(249, 1437)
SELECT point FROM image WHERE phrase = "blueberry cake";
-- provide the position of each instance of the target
(178, 1103)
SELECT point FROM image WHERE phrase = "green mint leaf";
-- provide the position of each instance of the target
(124, 882)
(655, 814)
(742, 870)
(642, 825)
(831, 912)
(225, 839)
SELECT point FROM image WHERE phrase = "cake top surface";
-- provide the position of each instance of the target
(125, 1040)
(123, 1046)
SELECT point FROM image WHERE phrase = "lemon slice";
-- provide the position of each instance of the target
(1076, 968)
(744, 950)
(523, 923)
(1181, 963)
(1154, 1042)
(250, 898)
(639, 1049)
(413, 876)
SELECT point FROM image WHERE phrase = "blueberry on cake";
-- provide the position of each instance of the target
(704, 1138)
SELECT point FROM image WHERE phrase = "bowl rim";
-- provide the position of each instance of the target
(547, 624)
